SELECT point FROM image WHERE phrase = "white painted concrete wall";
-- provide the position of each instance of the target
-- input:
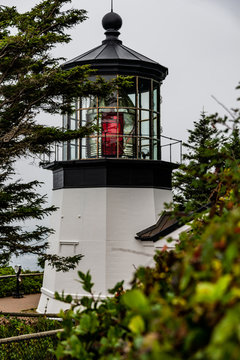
(101, 224)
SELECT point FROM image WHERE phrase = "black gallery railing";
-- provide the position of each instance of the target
(117, 146)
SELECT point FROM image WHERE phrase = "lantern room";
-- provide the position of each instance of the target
(128, 121)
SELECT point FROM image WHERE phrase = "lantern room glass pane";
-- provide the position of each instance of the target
(90, 117)
(144, 140)
(77, 104)
(155, 148)
(89, 102)
(84, 117)
(155, 123)
(91, 146)
(64, 153)
(127, 95)
(155, 96)
(145, 148)
(145, 115)
(84, 148)
(73, 122)
(144, 88)
(129, 132)
(65, 121)
(144, 128)
(129, 121)
(74, 149)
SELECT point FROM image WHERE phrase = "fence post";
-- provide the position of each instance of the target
(17, 295)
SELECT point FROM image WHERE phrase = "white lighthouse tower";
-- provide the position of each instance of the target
(112, 184)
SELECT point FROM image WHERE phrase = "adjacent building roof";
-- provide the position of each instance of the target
(164, 226)
(112, 57)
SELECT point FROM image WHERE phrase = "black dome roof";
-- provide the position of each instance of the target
(112, 57)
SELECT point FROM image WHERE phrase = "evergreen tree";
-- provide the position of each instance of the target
(31, 80)
(190, 183)
(212, 145)
(232, 144)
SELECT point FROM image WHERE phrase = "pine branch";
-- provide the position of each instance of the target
(224, 107)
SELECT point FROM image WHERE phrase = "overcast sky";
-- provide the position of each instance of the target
(198, 40)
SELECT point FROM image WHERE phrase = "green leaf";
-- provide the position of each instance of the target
(225, 337)
(86, 281)
(136, 300)
(209, 292)
(118, 287)
(230, 254)
(88, 324)
(186, 277)
(86, 302)
(137, 324)
(68, 299)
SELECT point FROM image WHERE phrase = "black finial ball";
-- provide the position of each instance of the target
(112, 21)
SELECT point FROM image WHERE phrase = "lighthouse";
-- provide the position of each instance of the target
(113, 183)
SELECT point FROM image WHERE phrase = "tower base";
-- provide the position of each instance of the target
(101, 224)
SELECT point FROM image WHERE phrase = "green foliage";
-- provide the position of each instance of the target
(34, 349)
(28, 285)
(85, 280)
(196, 181)
(8, 270)
(12, 326)
(189, 181)
(60, 263)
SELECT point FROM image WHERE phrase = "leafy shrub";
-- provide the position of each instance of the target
(13, 326)
(34, 349)
(28, 285)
